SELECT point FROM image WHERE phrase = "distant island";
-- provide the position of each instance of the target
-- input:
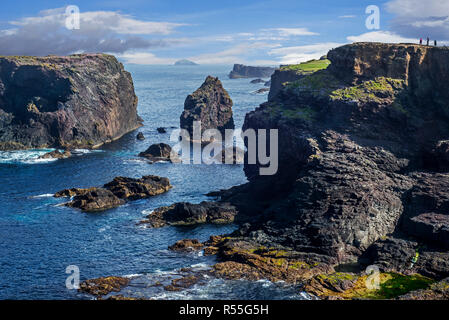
(185, 62)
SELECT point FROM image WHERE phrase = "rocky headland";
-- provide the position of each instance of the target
(242, 71)
(78, 101)
(210, 104)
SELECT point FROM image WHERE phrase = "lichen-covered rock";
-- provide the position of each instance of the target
(183, 214)
(78, 101)
(211, 105)
(242, 71)
(437, 291)
(186, 245)
(103, 286)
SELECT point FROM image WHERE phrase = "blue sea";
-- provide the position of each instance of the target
(40, 238)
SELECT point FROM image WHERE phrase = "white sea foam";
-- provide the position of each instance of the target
(46, 195)
(25, 156)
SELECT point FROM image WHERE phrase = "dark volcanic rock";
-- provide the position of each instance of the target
(133, 189)
(184, 214)
(115, 193)
(79, 101)
(241, 71)
(159, 152)
(211, 105)
(354, 141)
(95, 199)
(140, 136)
(161, 130)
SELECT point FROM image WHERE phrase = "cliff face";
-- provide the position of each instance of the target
(209, 104)
(363, 160)
(76, 101)
(242, 71)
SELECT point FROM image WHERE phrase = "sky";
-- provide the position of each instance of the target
(251, 32)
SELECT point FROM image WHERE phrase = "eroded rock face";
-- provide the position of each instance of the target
(79, 101)
(354, 142)
(211, 105)
(115, 193)
(242, 71)
(184, 214)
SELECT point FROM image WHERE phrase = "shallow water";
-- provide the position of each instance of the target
(40, 238)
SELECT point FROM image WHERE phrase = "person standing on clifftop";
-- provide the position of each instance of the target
(420, 41)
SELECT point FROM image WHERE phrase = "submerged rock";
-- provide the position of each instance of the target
(186, 214)
(78, 101)
(115, 193)
(211, 105)
(56, 155)
(161, 130)
(255, 81)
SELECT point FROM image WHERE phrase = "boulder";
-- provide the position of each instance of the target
(56, 155)
(161, 130)
(255, 81)
(140, 136)
(186, 245)
(159, 152)
(211, 105)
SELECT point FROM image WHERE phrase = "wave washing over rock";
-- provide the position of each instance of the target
(78, 101)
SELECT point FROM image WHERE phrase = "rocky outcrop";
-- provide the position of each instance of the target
(79, 101)
(186, 245)
(187, 214)
(103, 286)
(159, 152)
(242, 71)
(115, 193)
(56, 155)
(355, 182)
(211, 105)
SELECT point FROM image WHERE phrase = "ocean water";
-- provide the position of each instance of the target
(40, 238)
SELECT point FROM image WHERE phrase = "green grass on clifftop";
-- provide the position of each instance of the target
(308, 67)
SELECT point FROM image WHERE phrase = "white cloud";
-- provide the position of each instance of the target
(297, 54)
(381, 36)
(145, 58)
(100, 31)
(417, 18)
(237, 54)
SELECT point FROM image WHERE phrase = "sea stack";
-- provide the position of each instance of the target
(77, 101)
(242, 71)
(209, 104)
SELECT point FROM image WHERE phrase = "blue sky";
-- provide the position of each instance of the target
(216, 32)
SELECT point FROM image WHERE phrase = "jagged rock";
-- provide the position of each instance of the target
(133, 189)
(255, 81)
(211, 105)
(242, 71)
(115, 193)
(186, 245)
(140, 136)
(103, 286)
(183, 214)
(159, 152)
(78, 101)
(56, 155)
